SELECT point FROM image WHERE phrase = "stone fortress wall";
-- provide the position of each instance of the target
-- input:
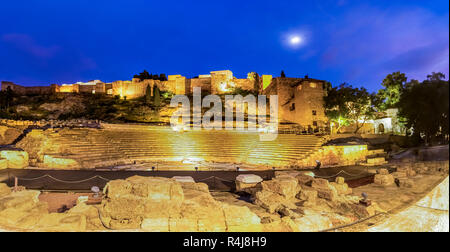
(300, 100)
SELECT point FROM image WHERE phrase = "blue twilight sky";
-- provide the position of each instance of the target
(353, 41)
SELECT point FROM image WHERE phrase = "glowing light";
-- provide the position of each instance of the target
(226, 86)
(311, 174)
(296, 40)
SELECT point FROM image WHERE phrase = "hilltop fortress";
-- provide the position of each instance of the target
(300, 100)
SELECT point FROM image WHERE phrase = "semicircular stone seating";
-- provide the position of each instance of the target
(116, 144)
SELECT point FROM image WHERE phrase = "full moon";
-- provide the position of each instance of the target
(296, 40)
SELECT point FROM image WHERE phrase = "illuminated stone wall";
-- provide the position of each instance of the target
(204, 83)
(309, 104)
(176, 84)
(299, 100)
(86, 88)
(337, 155)
(132, 89)
(246, 84)
(221, 81)
(28, 90)
(266, 80)
(73, 88)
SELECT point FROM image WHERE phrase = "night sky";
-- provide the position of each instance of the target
(358, 42)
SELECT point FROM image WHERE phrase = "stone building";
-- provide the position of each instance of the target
(300, 100)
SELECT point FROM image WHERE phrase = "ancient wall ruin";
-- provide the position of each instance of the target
(36, 90)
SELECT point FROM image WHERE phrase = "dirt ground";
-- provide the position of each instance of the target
(57, 200)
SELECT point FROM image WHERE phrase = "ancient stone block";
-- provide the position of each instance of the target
(249, 178)
(60, 163)
(340, 180)
(184, 179)
(304, 179)
(62, 222)
(327, 193)
(320, 183)
(324, 189)
(241, 219)
(382, 179)
(366, 211)
(4, 190)
(399, 174)
(155, 224)
(195, 186)
(285, 186)
(23, 218)
(308, 196)
(3, 164)
(15, 159)
(20, 201)
(342, 189)
(117, 188)
(247, 182)
(93, 221)
(268, 200)
(376, 161)
(183, 224)
(383, 171)
(410, 173)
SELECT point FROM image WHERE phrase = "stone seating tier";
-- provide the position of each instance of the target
(95, 148)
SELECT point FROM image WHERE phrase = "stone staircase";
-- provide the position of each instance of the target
(125, 144)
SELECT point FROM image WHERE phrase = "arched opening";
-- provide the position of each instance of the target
(380, 128)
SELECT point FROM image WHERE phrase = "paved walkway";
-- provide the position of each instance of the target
(430, 214)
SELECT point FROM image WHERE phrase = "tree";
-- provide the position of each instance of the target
(389, 96)
(425, 107)
(148, 94)
(282, 74)
(156, 97)
(255, 77)
(8, 97)
(143, 76)
(345, 105)
(162, 77)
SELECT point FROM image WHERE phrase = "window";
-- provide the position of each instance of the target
(312, 84)
(314, 112)
(292, 107)
(315, 123)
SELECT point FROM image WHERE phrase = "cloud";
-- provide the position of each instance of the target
(366, 41)
(27, 44)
